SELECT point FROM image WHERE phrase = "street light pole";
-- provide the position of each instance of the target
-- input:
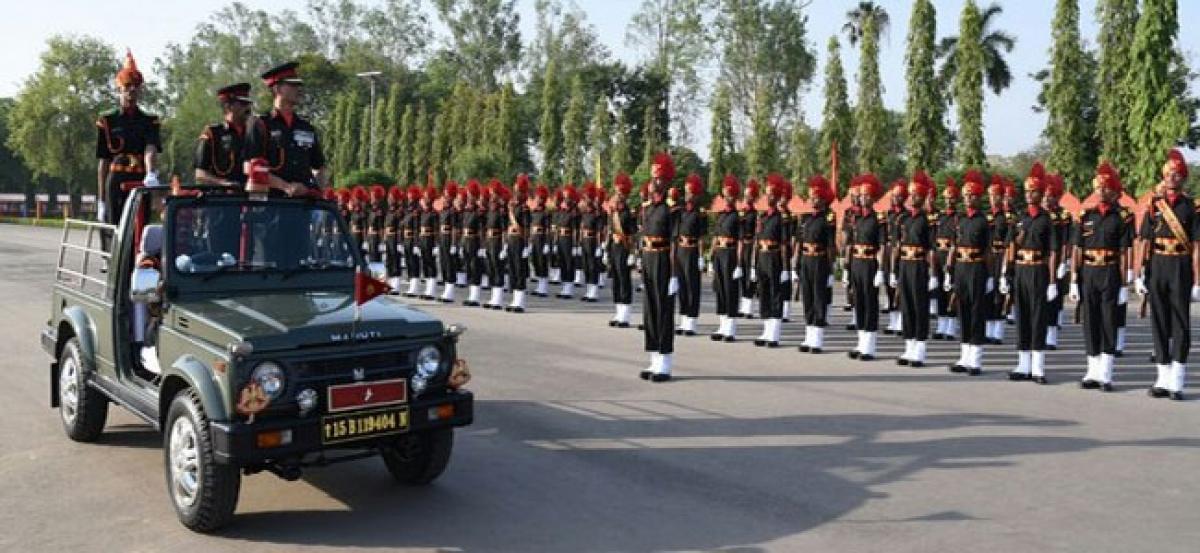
(370, 76)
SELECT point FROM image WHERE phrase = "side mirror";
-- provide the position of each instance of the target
(377, 269)
(143, 287)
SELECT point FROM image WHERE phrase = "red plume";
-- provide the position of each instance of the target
(665, 167)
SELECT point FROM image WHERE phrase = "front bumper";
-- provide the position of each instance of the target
(236, 442)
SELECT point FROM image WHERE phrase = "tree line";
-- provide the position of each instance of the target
(480, 100)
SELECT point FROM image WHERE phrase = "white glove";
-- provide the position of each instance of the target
(400, 249)
(878, 279)
(947, 283)
(577, 252)
(1003, 285)
(672, 286)
(933, 283)
(1073, 294)
(481, 253)
(795, 276)
(893, 281)
(737, 273)
(437, 250)
(453, 250)
(1128, 276)
(526, 252)
(554, 249)
(1195, 293)
(101, 211)
(1062, 270)
(1122, 296)
(700, 262)
(631, 260)
(599, 252)
(416, 250)
(1139, 286)
(829, 282)
(381, 248)
(365, 247)
(545, 249)
(1051, 292)
(604, 258)
(753, 274)
(989, 285)
(785, 276)
(151, 180)
(504, 252)
(845, 276)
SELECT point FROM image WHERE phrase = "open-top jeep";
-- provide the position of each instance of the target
(229, 322)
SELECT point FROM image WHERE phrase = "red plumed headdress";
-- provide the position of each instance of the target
(731, 186)
(663, 167)
(1175, 164)
(129, 74)
(623, 184)
(522, 184)
(695, 186)
(1107, 177)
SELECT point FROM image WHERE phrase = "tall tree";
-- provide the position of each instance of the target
(621, 158)
(422, 142)
(924, 108)
(968, 87)
(395, 30)
(1066, 125)
(364, 138)
(1087, 69)
(600, 141)
(870, 119)
(765, 47)
(551, 127)
(563, 34)
(485, 39)
(652, 138)
(720, 144)
(508, 140)
(674, 36)
(574, 132)
(762, 152)
(52, 124)
(995, 44)
(439, 148)
(1118, 22)
(855, 26)
(1157, 116)
(404, 147)
(837, 126)
(389, 132)
(802, 157)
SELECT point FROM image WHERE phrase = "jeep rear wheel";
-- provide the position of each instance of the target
(204, 492)
(418, 459)
(83, 409)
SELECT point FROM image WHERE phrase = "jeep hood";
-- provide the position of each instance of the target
(284, 321)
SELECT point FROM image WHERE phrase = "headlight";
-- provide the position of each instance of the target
(270, 378)
(429, 361)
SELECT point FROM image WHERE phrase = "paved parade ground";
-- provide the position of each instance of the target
(748, 449)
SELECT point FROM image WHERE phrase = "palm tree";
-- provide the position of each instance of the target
(856, 20)
(996, 73)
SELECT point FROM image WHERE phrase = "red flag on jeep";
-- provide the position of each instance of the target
(367, 287)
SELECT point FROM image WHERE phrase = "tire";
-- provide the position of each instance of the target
(203, 492)
(418, 459)
(82, 409)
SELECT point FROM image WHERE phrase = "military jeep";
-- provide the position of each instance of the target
(228, 321)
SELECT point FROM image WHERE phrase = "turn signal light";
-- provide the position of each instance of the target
(274, 438)
(441, 412)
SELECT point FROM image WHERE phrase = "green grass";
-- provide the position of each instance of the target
(43, 222)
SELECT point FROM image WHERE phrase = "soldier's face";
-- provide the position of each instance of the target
(129, 94)
(1033, 197)
(237, 111)
(1050, 202)
(290, 92)
(971, 199)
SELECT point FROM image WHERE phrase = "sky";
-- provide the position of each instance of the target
(1010, 124)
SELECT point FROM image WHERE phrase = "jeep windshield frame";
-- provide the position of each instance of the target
(231, 244)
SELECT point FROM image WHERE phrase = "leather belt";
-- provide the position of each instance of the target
(912, 253)
(1027, 256)
(516, 230)
(724, 242)
(538, 229)
(945, 243)
(688, 241)
(409, 234)
(968, 254)
(425, 233)
(566, 232)
(655, 243)
(812, 249)
(864, 251)
(587, 233)
(470, 233)
(446, 228)
(1099, 257)
(492, 233)
(1170, 246)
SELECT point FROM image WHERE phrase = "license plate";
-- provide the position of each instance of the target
(363, 424)
(361, 395)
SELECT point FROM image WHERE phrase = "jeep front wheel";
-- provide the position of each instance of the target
(204, 492)
(418, 459)
(83, 409)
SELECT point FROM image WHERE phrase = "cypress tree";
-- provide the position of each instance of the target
(762, 153)
(1066, 125)
(720, 145)
(404, 147)
(1157, 119)
(1118, 23)
(600, 139)
(390, 132)
(802, 162)
(923, 108)
(439, 149)
(574, 133)
(364, 139)
(870, 122)
(968, 87)
(837, 125)
(551, 126)
(621, 158)
(651, 136)
(421, 145)
(507, 140)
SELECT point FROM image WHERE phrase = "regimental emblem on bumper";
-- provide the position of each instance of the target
(344, 397)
